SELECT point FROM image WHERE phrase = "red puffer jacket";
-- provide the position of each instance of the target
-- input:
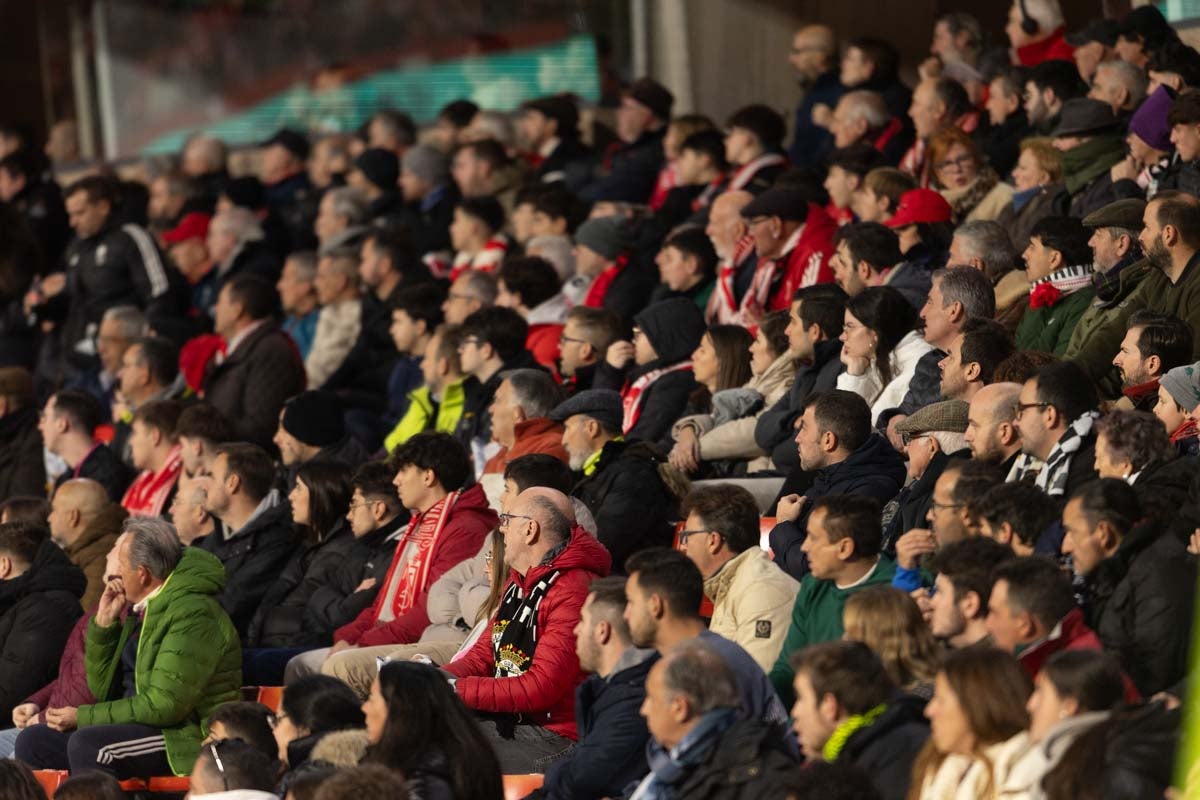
(70, 688)
(545, 693)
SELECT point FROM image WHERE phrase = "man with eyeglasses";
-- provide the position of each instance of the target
(752, 597)
(793, 240)
(582, 344)
(232, 768)
(1055, 415)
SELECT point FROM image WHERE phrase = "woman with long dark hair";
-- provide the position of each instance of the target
(417, 725)
(310, 708)
(319, 501)
(880, 347)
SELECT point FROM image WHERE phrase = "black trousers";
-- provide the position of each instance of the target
(126, 751)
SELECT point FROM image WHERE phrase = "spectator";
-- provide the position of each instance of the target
(261, 368)
(200, 428)
(1000, 140)
(41, 590)
(368, 782)
(237, 244)
(22, 468)
(25, 508)
(922, 221)
(392, 130)
(313, 707)
(1177, 391)
(470, 292)
(813, 56)
(475, 235)
(664, 591)
(503, 673)
(20, 782)
(555, 248)
(1132, 445)
(90, 786)
(445, 756)
(311, 428)
(834, 440)
(329, 161)
(531, 287)
(1120, 84)
(1093, 44)
(298, 297)
(880, 347)
(1037, 32)
(751, 596)
(958, 170)
(1048, 87)
(1153, 345)
(936, 103)
(1058, 263)
(863, 117)
(622, 484)
(848, 168)
(68, 422)
(737, 263)
(493, 341)
(691, 712)
(289, 194)
(971, 360)
(1182, 120)
(700, 171)
(843, 550)
(187, 513)
(654, 373)
(848, 710)
(813, 332)
(873, 65)
(256, 537)
(149, 373)
(723, 441)
(603, 277)
(583, 343)
(483, 168)
(416, 316)
(203, 160)
(753, 145)
(1037, 178)
(1089, 137)
(519, 418)
(438, 403)
(340, 320)
(612, 732)
(1032, 612)
(958, 609)
(249, 722)
(375, 176)
(430, 198)
(1170, 239)
(933, 441)
(1017, 515)
(232, 768)
(977, 725)
(187, 663)
(156, 452)
(991, 431)
(686, 266)
(448, 526)
(627, 171)
(1059, 432)
(880, 194)
(549, 129)
(1141, 33)
(890, 622)
(793, 241)
(1121, 557)
(38, 201)
(955, 294)
(1119, 271)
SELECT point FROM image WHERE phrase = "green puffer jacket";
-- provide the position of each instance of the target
(1049, 328)
(1098, 334)
(189, 660)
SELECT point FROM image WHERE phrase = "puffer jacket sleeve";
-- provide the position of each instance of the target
(554, 671)
(443, 595)
(189, 653)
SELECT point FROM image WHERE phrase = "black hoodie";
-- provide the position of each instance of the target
(38, 609)
(886, 749)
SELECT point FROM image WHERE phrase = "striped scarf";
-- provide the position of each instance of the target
(1059, 284)
(1053, 478)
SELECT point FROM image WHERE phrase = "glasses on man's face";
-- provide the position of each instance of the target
(683, 535)
(504, 518)
(364, 504)
(936, 506)
(908, 438)
(1021, 408)
(564, 339)
(469, 341)
(459, 296)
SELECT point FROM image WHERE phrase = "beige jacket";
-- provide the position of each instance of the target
(966, 778)
(735, 439)
(752, 604)
(337, 329)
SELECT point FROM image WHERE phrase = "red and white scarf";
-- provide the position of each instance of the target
(147, 495)
(723, 307)
(599, 288)
(634, 394)
(747, 171)
(407, 577)
(488, 259)
(668, 179)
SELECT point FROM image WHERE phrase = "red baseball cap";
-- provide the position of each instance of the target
(920, 205)
(192, 226)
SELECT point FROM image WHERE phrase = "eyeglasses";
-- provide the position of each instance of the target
(212, 748)
(504, 518)
(564, 339)
(473, 341)
(935, 505)
(961, 162)
(683, 535)
(459, 296)
(1020, 408)
(908, 438)
(356, 506)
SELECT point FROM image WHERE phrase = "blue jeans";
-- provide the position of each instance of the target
(8, 742)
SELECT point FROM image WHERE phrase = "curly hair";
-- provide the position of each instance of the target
(1137, 437)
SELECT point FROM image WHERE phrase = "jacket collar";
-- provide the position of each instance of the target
(717, 585)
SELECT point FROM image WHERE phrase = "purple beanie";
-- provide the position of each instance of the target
(1149, 122)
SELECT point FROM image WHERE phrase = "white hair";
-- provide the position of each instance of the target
(556, 249)
(132, 321)
(948, 441)
(1132, 78)
(866, 105)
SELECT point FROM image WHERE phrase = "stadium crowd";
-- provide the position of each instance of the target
(688, 459)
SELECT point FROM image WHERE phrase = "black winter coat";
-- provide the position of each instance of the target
(1164, 488)
(430, 225)
(914, 501)
(750, 763)
(22, 468)
(106, 468)
(631, 171)
(252, 558)
(886, 749)
(1141, 606)
(251, 385)
(336, 603)
(874, 469)
(281, 616)
(775, 430)
(611, 752)
(632, 506)
(37, 612)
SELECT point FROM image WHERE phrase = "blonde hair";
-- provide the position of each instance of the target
(888, 621)
(1048, 158)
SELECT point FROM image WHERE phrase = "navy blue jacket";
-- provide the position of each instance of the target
(812, 142)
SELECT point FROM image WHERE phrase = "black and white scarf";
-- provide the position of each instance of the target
(1053, 477)
(514, 633)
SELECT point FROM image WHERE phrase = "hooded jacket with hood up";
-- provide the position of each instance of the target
(189, 661)
(544, 694)
(674, 329)
(90, 551)
(37, 611)
(253, 557)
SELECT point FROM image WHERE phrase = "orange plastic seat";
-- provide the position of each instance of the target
(271, 697)
(170, 784)
(516, 787)
(50, 779)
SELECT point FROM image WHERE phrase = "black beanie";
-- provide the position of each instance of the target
(314, 418)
